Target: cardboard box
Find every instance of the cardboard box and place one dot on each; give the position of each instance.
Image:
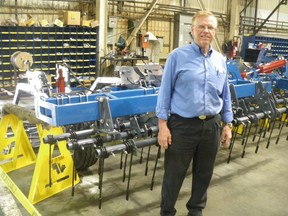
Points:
(22, 22)
(44, 23)
(58, 23)
(85, 23)
(30, 22)
(94, 23)
(72, 18)
(85, 17)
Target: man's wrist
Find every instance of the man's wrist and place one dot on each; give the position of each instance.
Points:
(229, 124)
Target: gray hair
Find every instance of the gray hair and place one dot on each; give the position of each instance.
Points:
(204, 14)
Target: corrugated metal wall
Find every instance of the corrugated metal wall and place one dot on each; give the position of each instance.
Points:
(265, 7)
(215, 5)
(276, 26)
(161, 21)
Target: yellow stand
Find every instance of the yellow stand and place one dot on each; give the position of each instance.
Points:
(18, 193)
(15, 150)
(51, 179)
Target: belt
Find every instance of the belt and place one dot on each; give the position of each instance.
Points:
(201, 117)
(206, 117)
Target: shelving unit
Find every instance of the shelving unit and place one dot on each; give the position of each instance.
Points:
(278, 46)
(77, 46)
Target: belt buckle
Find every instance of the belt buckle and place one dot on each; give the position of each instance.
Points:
(202, 117)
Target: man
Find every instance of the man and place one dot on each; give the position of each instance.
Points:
(193, 99)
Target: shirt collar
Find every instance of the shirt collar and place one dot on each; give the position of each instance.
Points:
(197, 48)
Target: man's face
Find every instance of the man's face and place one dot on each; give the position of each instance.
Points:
(203, 31)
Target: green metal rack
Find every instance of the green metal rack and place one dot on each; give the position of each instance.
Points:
(77, 46)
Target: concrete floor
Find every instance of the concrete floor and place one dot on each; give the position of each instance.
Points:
(256, 185)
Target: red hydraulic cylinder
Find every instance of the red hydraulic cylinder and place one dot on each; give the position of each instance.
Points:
(269, 67)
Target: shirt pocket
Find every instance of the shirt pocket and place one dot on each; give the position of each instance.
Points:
(221, 77)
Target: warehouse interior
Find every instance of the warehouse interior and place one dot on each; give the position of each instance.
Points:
(79, 80)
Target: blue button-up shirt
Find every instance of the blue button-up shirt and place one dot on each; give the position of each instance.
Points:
(194, 84)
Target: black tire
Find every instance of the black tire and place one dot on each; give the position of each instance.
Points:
(84, 158)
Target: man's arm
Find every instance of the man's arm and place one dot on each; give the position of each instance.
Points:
(164, 135)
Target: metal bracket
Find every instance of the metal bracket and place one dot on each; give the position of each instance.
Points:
(106, 122)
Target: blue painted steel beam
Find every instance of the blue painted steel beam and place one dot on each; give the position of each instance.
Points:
(77, 109)
(282, 84)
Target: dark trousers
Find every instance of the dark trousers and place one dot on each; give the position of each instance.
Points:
(192, 139)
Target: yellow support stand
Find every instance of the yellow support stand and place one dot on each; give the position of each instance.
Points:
(18, 193)
(55, 174)
(15, 150)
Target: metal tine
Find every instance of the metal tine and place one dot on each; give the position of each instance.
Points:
(255, 132)
(246, 140)
(74, 174)
(141, 156)
(147, 160)
(121, 160)
(259, 138)
(234, 134)
(129, 176)
(266, 128)
(281, 128)
(50, 166)
(245, 134)
(125, 164)
(155, 167)
(101, 174)
(271, 131)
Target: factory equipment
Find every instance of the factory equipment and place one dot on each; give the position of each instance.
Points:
(116, 115)
(268, 102)
(120, 112)
(32, 82)
(119, 116)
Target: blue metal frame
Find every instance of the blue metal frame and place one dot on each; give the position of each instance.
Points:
(246, 88)
(67, 110)
(82, 108)
(282, 84)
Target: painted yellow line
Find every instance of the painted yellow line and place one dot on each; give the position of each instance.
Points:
(18, 193)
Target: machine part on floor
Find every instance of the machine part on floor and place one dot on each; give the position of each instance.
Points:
(34, 82)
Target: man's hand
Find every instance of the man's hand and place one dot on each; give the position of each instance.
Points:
(226, 136)
(164, 135)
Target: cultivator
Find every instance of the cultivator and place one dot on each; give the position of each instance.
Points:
(258, 113)
(120, 117)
